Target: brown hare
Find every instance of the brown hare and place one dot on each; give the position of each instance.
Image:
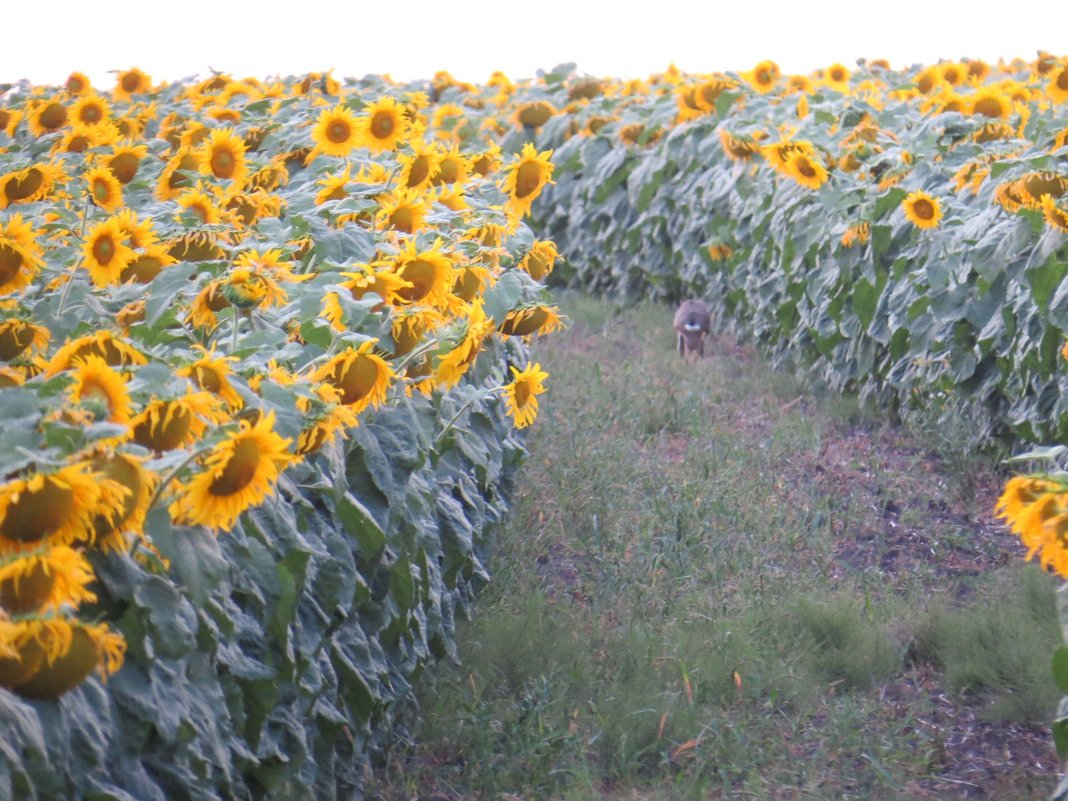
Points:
(691, 323)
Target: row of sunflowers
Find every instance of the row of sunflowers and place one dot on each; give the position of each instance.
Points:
(205, 287)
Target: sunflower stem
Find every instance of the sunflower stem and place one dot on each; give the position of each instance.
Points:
(452, 422)
(74, 270)
(233, 336)
(171, 475)
(414, 353)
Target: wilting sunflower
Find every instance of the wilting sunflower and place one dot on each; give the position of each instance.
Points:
(922, 210)
(21, 339)
(806, 170)
(856, 234)
(719, 251)
(145, 266)
(140, 483)
(487, 161)
(202, 245)
(104, 188)
(237, 474)
(131, 82)
(325, 419)
(360, 376)
(9, 120)
(374, 278)
(20, 254)
(200, 204)
(539, 260)
(211, 373)
(428, 274)
(383, 126)
(102, 390)
(404, 210)
(521, 396)
(469, 338)
(105, 252)
(223, 155)
(471, 281)
(1031, 187)
(526, 177)
(88, 112)
(177, 174)
(58, 504)
(166, 424)
(1035, 509)
(30, 184)
(44, 579)
(1055, 216)
(738, 148)
(104, 344)
(533, 114)
(535, 319)
(63, 653)
(336, 132)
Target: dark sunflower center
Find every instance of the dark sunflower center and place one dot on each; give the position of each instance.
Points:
(239, 471)
(418, 173)
(10, 263)
(402, 219)
(338, 132)
(101, 191)
(53, 116)
(91, 115)
(358, 380)
(131, 81)
(223, 163)
(37, 514)
(207, 378)
(805, 168)
(522, 393)
(448, 172)
(1062, 81)
(24, 187)
(382, 125)
(420, 273)
(988, 107)
(923, 209)
(104, 249)
(142, 269)
(528, 179)
(124, 167)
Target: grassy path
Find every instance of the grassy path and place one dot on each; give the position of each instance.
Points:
(715, 585)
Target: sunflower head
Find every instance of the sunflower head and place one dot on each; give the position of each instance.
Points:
(922, 210)
(383, 126)
(336, 132)
(526, 177)
(521, 395)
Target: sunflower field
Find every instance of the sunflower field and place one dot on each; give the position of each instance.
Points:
(262, 388)
(264, 366)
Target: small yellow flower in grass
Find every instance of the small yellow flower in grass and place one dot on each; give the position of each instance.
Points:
(521, 396)
(526, 177)
(922, 210)
(238, 473)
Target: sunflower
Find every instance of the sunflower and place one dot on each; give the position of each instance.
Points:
(856, 234)
(428, 274)
(238, 473)
(526, 177)
(20, 254)
(487, 161)
(763, 76)
(202, 245)
(166, 424)
(44, 579)
(687, 105)
(47, 117)
(990, 103)
(104, 188)
(130, 314)
(100, 389)
(451, 197)
(244, 208)
(452, 168)
(61, 654)
(176, 174)
(533, 114)
(30, 184)
(806, 170)
(361, 377)
(383, 126)
(131, 82)
(20, 338)
(60, 505)
(325, 419)
(144, 267)
(336, 132)
(140, 234)
(334, 187)
(738, 148)
(223, 156)
(1031, 187)
(382, 282)
(78, 83)
(836, 77)
(403, 210)
(953, 73)
(471, 281)
(928, 79)
(536, 319)
(211, 373)
(105, 252)
(9, 120)
(521, 396)
(125, 160)
(140, 483)
(922, 210)
(200, 204)
(472, 334)
(88, 112)
(1057, 88)
(269, 178)
(207, 303)
(1055, 216)
(104, 344)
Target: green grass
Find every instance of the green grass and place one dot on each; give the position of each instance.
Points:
(710, 587)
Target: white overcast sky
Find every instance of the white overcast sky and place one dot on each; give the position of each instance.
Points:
(45, 39)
